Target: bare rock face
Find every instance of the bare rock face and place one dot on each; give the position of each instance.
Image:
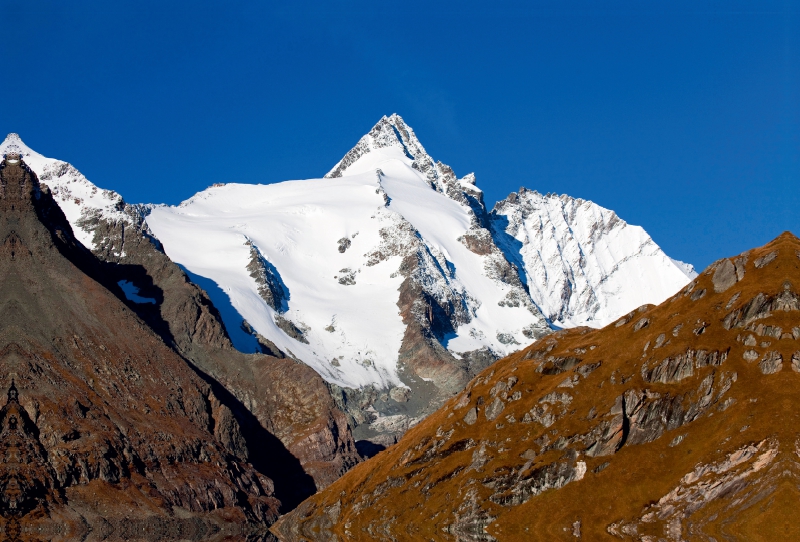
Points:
(270, 287)
(103, 423)
(724, 277)
(678, 422)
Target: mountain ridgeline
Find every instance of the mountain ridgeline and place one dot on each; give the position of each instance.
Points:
(195, 371)
(675, 422)
(389, 277)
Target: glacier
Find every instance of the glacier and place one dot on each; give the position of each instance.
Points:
(336, 271)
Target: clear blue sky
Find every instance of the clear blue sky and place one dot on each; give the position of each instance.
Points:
(684, 119)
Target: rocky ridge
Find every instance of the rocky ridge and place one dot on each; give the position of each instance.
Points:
(99, 426)
(684, 412)
(582, 264)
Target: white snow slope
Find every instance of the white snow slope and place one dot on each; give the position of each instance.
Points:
(583, 264)
(336, 245)
(345, 302)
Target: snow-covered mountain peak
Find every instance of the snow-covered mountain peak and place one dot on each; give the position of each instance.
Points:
(11, 139)
(390, 271)
(390, 138)
(355, 260)
(13, 144)
(82, 202)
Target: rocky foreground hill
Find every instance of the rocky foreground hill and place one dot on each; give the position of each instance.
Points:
(676, 422)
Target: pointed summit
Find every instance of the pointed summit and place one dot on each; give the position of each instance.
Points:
(79, 199)
(392, 139)
(389, 134)
(13, 145)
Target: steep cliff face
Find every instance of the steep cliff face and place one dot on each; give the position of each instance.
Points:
(676, 422)
(103, 421)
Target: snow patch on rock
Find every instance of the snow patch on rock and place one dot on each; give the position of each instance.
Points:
(81, 201)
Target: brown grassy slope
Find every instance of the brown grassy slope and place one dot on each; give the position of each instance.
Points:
(678, 422)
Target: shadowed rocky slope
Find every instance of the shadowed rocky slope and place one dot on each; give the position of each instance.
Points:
(677, 422)
(284, 407)
(294, 432)
(103, 421)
